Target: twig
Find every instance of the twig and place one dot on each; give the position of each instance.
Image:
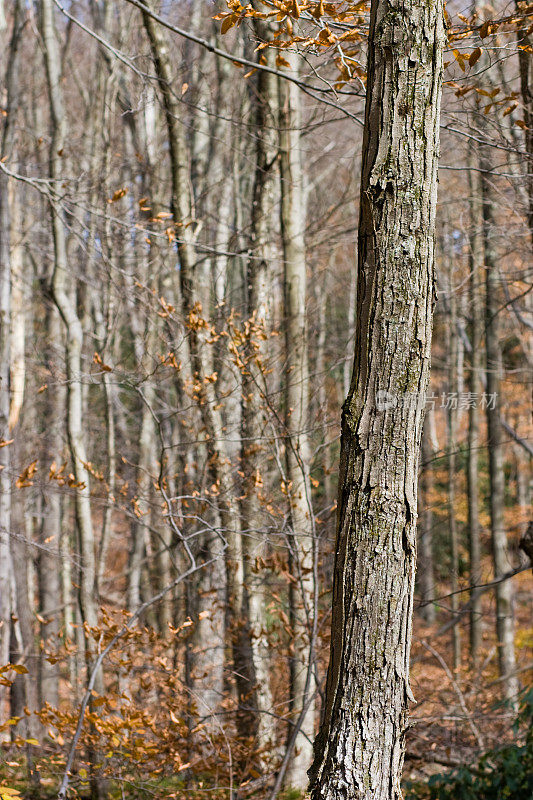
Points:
(458, 692)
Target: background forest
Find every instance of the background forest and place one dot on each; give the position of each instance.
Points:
(179, 200)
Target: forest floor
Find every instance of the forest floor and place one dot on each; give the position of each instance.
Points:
(457, 717)
(460, 715)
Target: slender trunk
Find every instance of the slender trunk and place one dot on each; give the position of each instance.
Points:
(254, 393)
(500, 549)
(104, 312)
(206, 607)
(302, 545)
(425, 571)
(476, 262)
(359, 751)
(24, 650)
(525, 63)
(107, 524)
(7, 145)
(67, 593)
(64, 297)
(74, 333)
(452, 408)
(142, 505)
(49, 563)
(5, 460)
(18, 313)
(322, 374)
(352, 310)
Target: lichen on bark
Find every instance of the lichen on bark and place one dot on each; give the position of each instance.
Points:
(359, 750)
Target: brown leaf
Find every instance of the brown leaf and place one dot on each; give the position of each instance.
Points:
(474, 57)
(118, 195)
(228, 23)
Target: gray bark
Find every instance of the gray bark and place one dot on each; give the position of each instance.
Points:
(500, 550)
(302, 544)
(259, 270)
(49, 564)
(476, 263)
(525, 64)
(74, 333)
(5, 475)
(425, 570)
(452, 424)
(359, 751)
(7, 145)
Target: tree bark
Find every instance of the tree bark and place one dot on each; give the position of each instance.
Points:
(302, 545)
(7, 145)
(74, 333)
(476, 261)
(525, 64)
(452, 420)
(426, 572)
(254, 393)
(5, 460)
(359, 751)
(50, 564)
(500, 550)
(19, 302)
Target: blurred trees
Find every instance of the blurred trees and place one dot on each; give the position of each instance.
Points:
(177, 316)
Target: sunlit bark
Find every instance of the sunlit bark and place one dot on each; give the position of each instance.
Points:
(359, 750)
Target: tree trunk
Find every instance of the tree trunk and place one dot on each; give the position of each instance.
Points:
(50, 562)
(476, 262)
(7, 144)
(19, 303)
(525, 63)
(74, 334)
(359, 751)
(451, 419)
(500, 550)
(65, 299)
(254, 393)
(426, 572)
(5, 460)
(140, 527)
(302, 545)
